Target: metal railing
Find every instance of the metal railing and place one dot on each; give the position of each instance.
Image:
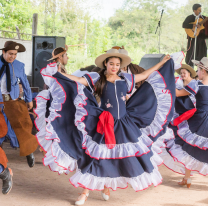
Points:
(15, 35)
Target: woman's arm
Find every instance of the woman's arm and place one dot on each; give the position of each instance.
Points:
(146, 73)
(81, 80)
(181, 93)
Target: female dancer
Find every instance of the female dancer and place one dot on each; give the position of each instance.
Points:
(189, 148)
(105, 144)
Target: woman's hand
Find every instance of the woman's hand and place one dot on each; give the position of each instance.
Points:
(142, 76)
(166, 58)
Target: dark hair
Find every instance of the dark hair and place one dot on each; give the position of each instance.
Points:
(88, 68)
(99, 85)
(96, 69)
(196, 6)
(58, 51)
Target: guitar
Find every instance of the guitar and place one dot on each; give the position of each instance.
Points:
(190, 32)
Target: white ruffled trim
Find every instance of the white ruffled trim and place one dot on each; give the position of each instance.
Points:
(191, 138)
(192, 87)
(41, 101)
(160, 143)
(138, 183)
(169, 162)
(101, 151)
(48, 139)
(183, 158)
(178, 59)
(130, 81)
(164, 103)
(179, 83)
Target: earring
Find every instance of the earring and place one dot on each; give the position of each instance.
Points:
(105, 72)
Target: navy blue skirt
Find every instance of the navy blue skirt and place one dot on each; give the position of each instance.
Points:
(68, 135)
(189, 149)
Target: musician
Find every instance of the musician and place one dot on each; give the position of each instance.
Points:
(201, 48)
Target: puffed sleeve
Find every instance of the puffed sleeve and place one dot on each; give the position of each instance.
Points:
(130, 81)
(25, 85)
(92, 78)
(192, 87)
(179, 83)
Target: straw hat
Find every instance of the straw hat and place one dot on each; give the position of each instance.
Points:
(59, 54)
(187, 67)
(202, 64)
(126, 60)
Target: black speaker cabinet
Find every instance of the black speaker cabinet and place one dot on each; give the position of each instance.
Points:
(150, 60)
(42, 51)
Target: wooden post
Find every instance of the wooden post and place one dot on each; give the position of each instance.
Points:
(54, 16)
(85, 39)
(45, 19)
(35, 24)
(18, 33)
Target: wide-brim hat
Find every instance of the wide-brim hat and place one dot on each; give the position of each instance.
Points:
(202, 64)
(11, 45)
(59, 54)
(126, 60)
(187, 67)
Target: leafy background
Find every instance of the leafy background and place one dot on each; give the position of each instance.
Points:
(133, 25)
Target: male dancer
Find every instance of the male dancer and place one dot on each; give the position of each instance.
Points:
(5, 173)
(16, 111)
(201, 48)
(59, 55)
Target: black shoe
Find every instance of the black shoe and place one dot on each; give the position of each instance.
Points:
(30, 160)
(6, 177)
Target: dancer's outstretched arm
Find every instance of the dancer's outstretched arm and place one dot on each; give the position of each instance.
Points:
(142, 76)
(81, 80)
(181, 93)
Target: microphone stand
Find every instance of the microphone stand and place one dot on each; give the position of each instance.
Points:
(195, 31)
(159, 28)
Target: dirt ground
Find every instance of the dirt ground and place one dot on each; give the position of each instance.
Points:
(38, 186)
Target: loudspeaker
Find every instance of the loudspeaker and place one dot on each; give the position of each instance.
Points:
(42, 51)
(150, 60)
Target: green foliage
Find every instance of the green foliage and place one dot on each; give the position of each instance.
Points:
(99, 38)
(133, 26)
(16, 13)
